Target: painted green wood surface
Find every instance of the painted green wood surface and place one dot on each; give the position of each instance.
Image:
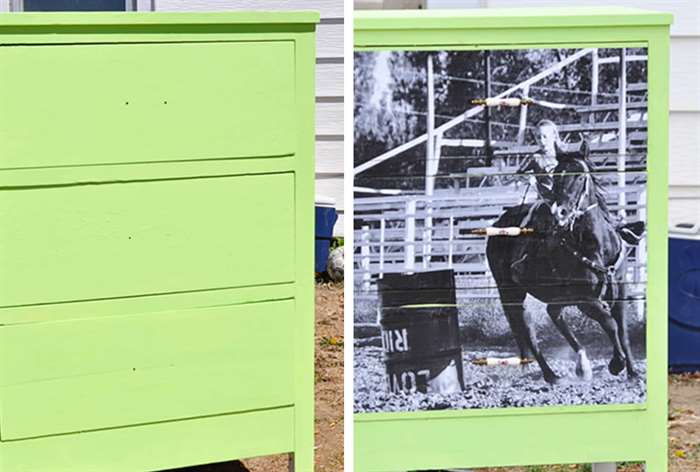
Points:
(184, 88)
(304, 198)
(548, 435)
(506, 18)
(145, 368)
(93, 241)
(156, 446)
(164, 21)
(156, 298)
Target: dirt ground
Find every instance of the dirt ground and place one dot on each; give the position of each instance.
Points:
(329, 394)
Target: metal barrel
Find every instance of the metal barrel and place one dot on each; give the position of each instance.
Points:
(420, 332)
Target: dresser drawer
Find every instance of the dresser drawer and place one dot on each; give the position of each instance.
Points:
(128, 103)
(116, 371)
(111, 240)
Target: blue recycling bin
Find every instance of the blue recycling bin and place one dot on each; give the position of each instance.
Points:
(326, 216)
(684, 298)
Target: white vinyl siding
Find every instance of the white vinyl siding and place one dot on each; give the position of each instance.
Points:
(684, 125)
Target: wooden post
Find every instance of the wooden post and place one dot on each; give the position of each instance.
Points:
(430, 165)
(642, 248)
(595, 76)
(450, 250)
(410, 248)
(487, 113)
(430, 126)
(641, 252)
(522, 125)
(364, 259)
(382, 229)
(622, 133)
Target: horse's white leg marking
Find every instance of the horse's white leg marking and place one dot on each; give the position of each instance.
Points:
(447, 381)
(583, 366)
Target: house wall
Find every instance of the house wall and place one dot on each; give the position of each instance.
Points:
(684, 132)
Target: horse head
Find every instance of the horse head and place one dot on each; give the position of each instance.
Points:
(574, 189)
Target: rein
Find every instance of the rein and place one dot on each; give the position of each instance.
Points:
(595, 267)
(606, 271)
(580, 210)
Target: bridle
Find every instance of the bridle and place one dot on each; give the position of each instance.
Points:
(581, 208)
(607, 272)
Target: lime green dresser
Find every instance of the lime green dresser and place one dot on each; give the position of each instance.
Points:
(156, 239)
(477, 87)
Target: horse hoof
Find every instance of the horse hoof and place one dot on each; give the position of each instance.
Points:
(616, 365)
(552, 378)
(584, 371)
(632, 374)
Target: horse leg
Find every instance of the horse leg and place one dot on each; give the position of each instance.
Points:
(598, 311)
(583, 365)
(524, 334)
(618, 313)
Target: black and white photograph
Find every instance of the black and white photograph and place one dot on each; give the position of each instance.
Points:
(499, 228)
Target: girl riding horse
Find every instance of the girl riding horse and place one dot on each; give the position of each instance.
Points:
(578, 261)
(541, 165)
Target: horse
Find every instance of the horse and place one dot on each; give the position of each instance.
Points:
(574, 258)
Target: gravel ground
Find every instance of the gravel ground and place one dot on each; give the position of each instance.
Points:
(684, 423)
(494, 387)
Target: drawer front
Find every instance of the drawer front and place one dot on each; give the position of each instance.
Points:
(127, 103)
(125, 370)
(139, 238)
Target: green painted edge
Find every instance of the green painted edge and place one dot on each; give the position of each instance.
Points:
(508, 18)
(158, 18)
(304, 334)
(506, 47)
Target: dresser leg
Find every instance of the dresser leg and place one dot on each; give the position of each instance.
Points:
(604, 467)
(301, 462)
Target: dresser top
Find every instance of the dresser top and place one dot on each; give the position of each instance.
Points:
(158, 18)
(485, 18)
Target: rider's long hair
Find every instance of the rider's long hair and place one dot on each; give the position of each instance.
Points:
(558, 143)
